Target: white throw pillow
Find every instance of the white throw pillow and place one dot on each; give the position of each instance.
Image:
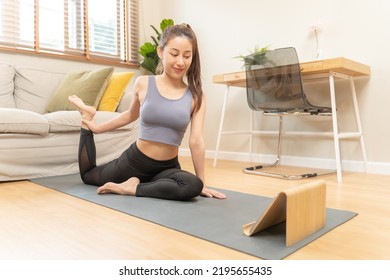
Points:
(34, 88)
(7, 74)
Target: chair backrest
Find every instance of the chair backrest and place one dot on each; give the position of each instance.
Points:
(273, 81)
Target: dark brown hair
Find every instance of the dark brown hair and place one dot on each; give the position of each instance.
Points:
(194, 72)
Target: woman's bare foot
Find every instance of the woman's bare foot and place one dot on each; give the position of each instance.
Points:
(87, 112)
(126, 188)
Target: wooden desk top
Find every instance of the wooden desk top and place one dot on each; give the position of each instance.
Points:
(340, 65)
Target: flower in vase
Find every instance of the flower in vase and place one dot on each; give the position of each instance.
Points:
(316, 28)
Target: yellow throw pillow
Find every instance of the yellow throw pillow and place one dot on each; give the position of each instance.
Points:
(114, 91)
(88, 85)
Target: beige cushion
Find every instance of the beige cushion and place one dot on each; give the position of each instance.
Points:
(114, 91)
(34, 87)
(88, 85)
(22, 121)
(7, 74)
(64, 121)
(67, 121)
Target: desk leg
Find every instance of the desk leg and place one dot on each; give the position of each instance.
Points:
(358, 123)
(335, 128)
(221, 125)
(251, 130)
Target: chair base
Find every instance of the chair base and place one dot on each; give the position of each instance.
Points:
(254, 170)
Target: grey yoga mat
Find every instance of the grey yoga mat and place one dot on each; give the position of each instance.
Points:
(218, 221)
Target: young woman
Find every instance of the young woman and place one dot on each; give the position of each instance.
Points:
(166, 104)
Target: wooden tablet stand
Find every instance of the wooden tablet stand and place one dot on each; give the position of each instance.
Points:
(302, 207)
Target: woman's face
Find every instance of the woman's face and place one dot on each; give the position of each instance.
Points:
(176, 56)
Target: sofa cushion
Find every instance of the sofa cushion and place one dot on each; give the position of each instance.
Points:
(34, 87)
(88, 85)
(125, 101)
(22, 121)
(7, 74)
(114, 91)
(67, 121)
(63, 121)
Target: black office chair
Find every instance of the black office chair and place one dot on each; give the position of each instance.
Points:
(274, 86)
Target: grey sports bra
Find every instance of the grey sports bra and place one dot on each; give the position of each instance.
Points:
(164, 120)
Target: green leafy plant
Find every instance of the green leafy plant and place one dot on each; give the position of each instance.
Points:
(149, 49)
(255, 57)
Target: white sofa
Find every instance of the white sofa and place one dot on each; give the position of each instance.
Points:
(35, 143)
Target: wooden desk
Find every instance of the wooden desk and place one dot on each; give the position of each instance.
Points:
(339, 65)
(327, 68)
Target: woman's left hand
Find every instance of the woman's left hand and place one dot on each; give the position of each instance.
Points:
(212, 193)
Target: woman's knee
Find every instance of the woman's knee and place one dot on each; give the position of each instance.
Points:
(91, 177)
(190, 187)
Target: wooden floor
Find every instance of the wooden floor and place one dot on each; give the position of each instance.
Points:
(39, 223)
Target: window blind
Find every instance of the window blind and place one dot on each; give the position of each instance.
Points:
(91, 29)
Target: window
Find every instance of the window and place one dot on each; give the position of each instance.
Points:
(94, 30)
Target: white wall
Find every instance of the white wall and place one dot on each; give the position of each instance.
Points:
(355, 29)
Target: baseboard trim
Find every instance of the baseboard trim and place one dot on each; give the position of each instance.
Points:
(347, 165)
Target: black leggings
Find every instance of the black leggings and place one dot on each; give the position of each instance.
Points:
(158, 179)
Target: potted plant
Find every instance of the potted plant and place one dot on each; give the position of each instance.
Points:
(149, 49)
(256, 57)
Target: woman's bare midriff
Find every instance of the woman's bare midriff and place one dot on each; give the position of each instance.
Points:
(157, 151)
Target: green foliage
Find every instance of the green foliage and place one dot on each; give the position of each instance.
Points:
(149, 49)
(256, 57)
